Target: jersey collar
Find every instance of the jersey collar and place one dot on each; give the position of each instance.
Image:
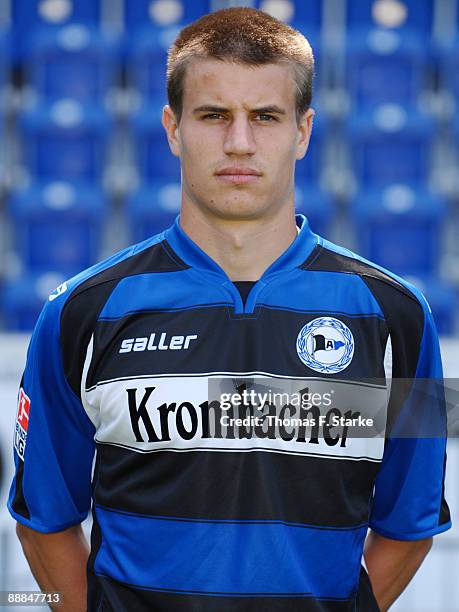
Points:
(295, 255)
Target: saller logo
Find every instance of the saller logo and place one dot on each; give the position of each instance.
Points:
(157, 342)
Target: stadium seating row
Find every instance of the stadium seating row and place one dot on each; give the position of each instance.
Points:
(69, 140)
(73, 65)
(58, 224)
(59, 227)
(86, 63)
(417, 15)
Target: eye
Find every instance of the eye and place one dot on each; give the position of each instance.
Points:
(213, 116)
(265, 117)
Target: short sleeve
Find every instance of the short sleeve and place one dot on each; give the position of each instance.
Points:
(53, 437)
(409, 501)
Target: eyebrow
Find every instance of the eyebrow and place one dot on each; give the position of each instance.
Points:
(221, 109)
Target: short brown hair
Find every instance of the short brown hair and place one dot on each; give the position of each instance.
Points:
(242, 35)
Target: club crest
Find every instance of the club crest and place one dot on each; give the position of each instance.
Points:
(325, 345)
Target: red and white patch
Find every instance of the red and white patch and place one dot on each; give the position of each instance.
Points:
(22, 423)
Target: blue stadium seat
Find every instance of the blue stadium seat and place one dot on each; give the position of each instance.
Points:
(442, 301)
(317, 206)
(153, 208)
(310, 167)
(57, 226)
(390, 144)
(400, 227)
(73, 61)
(305, 16)
(385, 66)
(28, 16)
(415, 15)
(153, 157)
(144, 14)
(146, 60)
(449, 67)
(24, 297)
(5, 56)
(65, 140)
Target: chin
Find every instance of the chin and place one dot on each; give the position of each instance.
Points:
(238, 212)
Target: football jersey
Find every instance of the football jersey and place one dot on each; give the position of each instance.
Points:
(200, 508)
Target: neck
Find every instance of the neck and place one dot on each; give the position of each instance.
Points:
(243, 248)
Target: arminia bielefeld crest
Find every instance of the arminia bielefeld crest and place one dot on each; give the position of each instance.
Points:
(325, 345)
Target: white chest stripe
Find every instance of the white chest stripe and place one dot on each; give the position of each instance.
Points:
(92, 412)
(388, 362)
(150, 414)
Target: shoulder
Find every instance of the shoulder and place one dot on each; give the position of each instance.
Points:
(130, 260)
(406, 312)
(397, 297)
(72, 310)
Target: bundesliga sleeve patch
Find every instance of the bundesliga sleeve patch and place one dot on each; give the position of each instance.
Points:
(22, 423)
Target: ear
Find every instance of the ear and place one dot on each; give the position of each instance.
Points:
(170, 124)
(304, 132)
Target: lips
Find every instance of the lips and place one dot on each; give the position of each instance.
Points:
(238, 174)
(238, 171)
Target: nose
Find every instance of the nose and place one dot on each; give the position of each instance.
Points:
(239, 137)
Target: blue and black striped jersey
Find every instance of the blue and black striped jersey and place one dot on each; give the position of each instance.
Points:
(193, 513)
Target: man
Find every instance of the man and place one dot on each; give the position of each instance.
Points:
(197, 513)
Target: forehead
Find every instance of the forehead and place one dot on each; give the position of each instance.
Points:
(232, 84)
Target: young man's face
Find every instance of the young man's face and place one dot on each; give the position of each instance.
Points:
(238, 138)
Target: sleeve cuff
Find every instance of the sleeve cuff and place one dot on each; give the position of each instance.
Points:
(416, 535)
(36, 526)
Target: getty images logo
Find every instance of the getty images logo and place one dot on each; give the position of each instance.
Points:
(157, 342)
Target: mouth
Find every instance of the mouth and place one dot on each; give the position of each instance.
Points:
(236, 175)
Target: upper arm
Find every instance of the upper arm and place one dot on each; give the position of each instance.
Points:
(398, 555)
(409, 501)
(27, 534)
(393, 545)
(53, 437)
